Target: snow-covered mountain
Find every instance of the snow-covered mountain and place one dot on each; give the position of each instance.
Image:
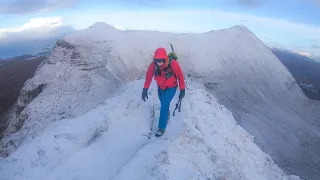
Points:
(78, 114)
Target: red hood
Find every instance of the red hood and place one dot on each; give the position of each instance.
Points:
(161, 53)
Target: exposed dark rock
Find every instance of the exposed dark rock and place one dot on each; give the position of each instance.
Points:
(65, 44)
(75, 55)
(27, 96)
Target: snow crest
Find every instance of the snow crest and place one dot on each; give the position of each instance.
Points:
(86, 67)
(111, 141)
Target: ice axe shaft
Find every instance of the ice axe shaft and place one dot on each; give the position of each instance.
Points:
(172, 47)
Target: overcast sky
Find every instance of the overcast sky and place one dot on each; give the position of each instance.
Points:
(293, 24)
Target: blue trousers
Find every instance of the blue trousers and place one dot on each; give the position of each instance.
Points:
(165, 97)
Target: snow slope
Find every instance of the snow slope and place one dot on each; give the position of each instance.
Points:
(111, 141)
(87, 67)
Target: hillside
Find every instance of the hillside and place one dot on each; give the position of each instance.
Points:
(13, 74)
(304, 69)
(87, 67)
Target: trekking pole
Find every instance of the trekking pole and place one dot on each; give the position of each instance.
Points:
(178, 105)
(179, 109)
(186, 86)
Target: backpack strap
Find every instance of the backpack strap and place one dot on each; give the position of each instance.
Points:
(170, 67)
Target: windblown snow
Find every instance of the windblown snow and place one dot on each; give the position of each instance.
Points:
(111, 141)
(81, 116)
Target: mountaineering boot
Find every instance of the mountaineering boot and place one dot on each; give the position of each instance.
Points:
(160, 132)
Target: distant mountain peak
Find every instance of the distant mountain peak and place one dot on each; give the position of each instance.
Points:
(233, 28)
(239, 27)
(102, 25)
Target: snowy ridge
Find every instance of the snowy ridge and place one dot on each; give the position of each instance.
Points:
(87, 67)
(202, 141)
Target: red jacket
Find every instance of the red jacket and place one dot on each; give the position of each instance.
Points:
(162, 82)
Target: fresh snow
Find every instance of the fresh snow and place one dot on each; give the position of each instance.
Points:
(111, 141)
(88, 67)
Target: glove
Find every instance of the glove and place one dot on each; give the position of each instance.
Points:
(182, 93)
(144, 94)
(172, 55)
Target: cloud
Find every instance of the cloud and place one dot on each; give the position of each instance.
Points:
(254, 3)
(248, 2)
(304, 53)
(35, 23)
(150, 3)
(37, 28)
(35, 36)
(119, 27)
(315, 46)
(316, 1)
(312, 40)
(31, 6)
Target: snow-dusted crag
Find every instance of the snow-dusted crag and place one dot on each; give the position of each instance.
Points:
(86, 68)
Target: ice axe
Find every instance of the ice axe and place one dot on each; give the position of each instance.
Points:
(171, 47)
(178, 105)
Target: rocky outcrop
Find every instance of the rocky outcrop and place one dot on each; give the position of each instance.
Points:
(28, 94)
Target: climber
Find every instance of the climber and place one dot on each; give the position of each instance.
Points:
(166, 72)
